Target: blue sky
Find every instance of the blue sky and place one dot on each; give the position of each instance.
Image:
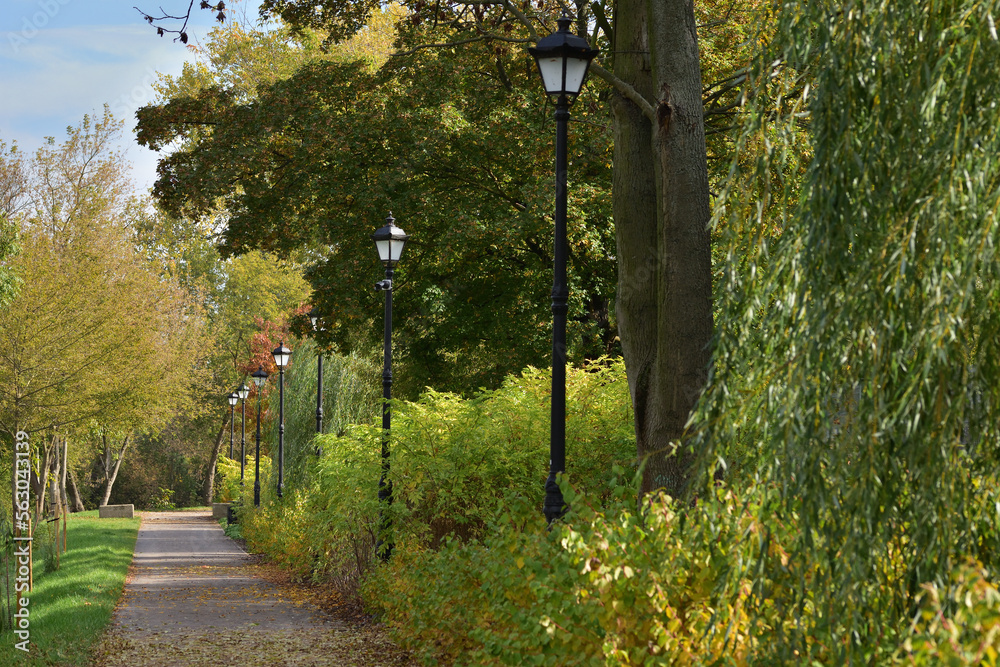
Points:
(61, 59)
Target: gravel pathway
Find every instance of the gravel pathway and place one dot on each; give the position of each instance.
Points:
(193, 598)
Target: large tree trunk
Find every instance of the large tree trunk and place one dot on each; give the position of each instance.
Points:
(208, 490)
(661, 209)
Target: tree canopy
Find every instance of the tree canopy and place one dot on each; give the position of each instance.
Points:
(317, 160)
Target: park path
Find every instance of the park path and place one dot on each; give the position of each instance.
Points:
(194, 597)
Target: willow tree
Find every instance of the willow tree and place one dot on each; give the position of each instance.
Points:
(857, 360)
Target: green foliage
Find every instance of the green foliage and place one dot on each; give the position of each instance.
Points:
(455, 459)
(155, 466)
(229, 490)
(462, 159)
(958, 624)
(606, 586)
(163, 500)
(856, 359)
(352, 390)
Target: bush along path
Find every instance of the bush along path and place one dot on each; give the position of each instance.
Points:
(194, 597)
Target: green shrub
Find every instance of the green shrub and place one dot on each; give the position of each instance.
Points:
(229, 489)
(604, 587)
(162, 500)
(453, 463)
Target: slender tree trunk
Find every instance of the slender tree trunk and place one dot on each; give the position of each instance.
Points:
(40, 477)
(661, 209)
(65, 467)
(78, 505)
(55, 498)
(113, 474)
(208, 489)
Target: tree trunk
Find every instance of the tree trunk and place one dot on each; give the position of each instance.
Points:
(112, 474)
(661, 209)
(208, 490)
(77, 502)
(65, 468)
(39, 478)
(55, 489)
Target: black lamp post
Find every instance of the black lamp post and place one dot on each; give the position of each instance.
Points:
(233, 399)
(243, 392)
(563, 60)
(314, 318)
(389, 241)
(282, 355)
(259, 378)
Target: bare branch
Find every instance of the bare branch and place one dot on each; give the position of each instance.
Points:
(186, 17)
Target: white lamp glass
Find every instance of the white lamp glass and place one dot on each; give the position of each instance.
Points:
(576, 71)
(384, 253)
(551, 70)
(563, 60)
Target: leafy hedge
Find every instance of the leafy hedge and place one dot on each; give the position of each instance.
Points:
(607, 586)
(454, 463)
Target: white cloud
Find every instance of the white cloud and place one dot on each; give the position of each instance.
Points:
(63, 73)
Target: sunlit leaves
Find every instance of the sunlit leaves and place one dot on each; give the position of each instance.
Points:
(872, 316)
(460, 155)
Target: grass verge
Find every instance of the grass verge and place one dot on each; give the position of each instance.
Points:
(70, 607)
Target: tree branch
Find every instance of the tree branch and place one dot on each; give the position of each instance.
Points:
(625, 89)
(523, 18)
(482, 38)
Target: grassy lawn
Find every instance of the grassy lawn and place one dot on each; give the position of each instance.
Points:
(71, 606)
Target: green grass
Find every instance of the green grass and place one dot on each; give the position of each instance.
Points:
(70, 607)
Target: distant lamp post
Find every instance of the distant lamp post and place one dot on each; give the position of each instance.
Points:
(282, 356)
(389, 241)
(259, 378)
(243, 392)
(314, 319)
(563, 60)
(233, 399)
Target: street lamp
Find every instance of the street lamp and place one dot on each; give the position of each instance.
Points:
(314, 318)
(563, 60)
(259, 378)
(389, 241)
(282, 355)
(233, 398)
(243, 392)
